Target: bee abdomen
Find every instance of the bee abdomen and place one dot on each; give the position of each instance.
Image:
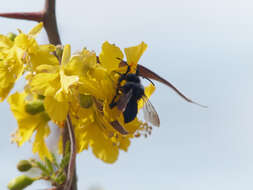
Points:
(131, 110)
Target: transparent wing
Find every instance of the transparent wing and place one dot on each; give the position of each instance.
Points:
(123, 100)
(150, 114)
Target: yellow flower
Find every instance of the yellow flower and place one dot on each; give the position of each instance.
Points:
(94, 124)
(15, 53)
(82, 85)
(30, 118)
(34, 53)
(53, 83)
(11, 67)
(96, 132)
(27, 42)
(43, 56)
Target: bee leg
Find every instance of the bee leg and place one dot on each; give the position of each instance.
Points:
(113, 102)
(119, 88)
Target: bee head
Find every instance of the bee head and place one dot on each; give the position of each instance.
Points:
(133, 78)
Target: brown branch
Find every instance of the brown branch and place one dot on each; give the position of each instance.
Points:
(71, 165)
(34, 16)
(50, 23)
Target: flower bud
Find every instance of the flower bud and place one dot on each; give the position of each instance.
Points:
(20, 182)
(45, 116)
(11, 36)
(34, 107)
(24, 165)
(41, 97)
(85, 100)
(59, 51)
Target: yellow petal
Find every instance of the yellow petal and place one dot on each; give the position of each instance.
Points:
(45, 83)
(44, 56)
(60, 145)
(4, 91)
(26, 43)
(148, 92)
(68, 81)
(56, 110)
(39, 145)
(27, 123)
(26, 126)
(5, 42)
(124, 143)
(134, 53)
(66, 54)
(102, 147)
(11, 68)
(110, 56)
(36, 30)
(47, 68)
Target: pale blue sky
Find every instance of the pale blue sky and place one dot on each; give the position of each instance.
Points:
(204, 47)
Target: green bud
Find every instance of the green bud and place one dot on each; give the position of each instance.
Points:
(20, 182)
(11, 36)
(45, 116)
(85, 100)
(41, 97)
(59, 51)
(24, 165)
(34, 107)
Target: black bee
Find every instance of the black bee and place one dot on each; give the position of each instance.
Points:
(129, 94)
(132, 91)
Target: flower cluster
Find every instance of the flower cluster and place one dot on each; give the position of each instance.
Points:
(81, 85)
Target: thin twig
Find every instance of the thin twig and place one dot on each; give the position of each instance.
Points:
(71, 165)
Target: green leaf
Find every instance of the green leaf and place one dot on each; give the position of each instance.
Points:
(43, 168)
(54, 160)
(65, 161)
(49, 166)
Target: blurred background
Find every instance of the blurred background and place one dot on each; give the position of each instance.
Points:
(205, 49)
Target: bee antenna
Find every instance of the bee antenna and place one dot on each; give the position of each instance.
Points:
(149, 80)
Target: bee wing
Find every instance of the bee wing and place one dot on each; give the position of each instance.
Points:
(145, 72)
(150, 114)
(123, 100)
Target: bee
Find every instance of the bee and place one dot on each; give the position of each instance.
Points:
(128, 95)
